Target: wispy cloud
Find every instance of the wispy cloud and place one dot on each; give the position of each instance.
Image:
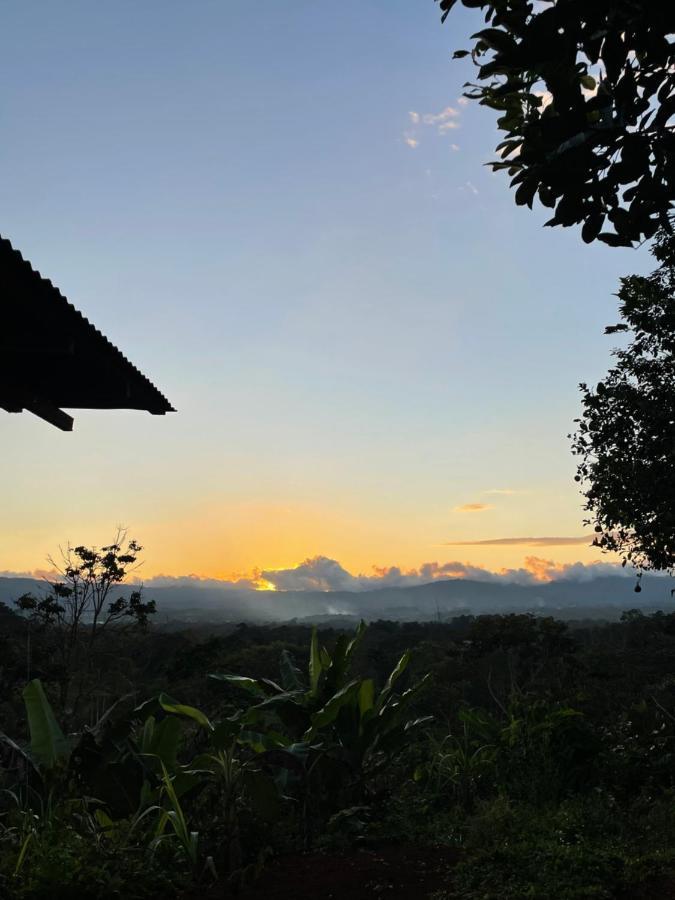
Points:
(444, 121)
(243, 582)
(436, 118)
(524, 542)
(473, 507)
(502, 492)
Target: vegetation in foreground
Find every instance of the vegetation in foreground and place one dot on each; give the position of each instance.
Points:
(511, 756)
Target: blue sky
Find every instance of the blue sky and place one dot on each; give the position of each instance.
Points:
(360, 336)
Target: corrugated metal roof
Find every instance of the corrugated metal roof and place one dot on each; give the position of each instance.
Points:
(51, 356)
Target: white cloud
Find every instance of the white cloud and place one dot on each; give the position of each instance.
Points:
(323, 574)
(320, 573)
(463, 101)
(444, 121)
(435, 118)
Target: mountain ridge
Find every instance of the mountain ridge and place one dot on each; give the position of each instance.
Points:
(437, 599)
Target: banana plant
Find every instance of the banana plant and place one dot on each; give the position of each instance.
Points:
(48, 744)
(224, 766)
(329, 711)
(48, 751)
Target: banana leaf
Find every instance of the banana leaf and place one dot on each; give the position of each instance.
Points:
(48, 745)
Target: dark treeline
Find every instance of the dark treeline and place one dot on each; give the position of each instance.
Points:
(538, 753)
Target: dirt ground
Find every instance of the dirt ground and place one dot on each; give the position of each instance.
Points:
(398, 873)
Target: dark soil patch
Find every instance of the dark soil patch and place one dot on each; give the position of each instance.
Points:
(395, 872)
(662, 888)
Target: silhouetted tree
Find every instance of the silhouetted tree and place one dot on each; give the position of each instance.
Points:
(79, 608)
(626, 435)
(586, 97)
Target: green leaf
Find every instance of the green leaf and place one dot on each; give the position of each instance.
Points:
(355, 641)
(253, 686)
(366, 696)
(496, 39)
(260, 742)
(329, 712)
(290, 674)
(187, 780)
(180, 709)
(225, 733)
(288, 707)
(315, 666)
(615, 240)
(591, 227)
(103, 820)
(336, 672)
(48, 743)
(526, 191)
(396, 673)
(166, 740)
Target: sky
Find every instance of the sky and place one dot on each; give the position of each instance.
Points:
(281, 214)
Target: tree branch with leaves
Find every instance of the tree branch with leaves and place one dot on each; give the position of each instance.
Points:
(84, 602)
(585, 93)
(625, 439)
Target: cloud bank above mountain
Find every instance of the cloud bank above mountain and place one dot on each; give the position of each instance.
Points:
(321, 573)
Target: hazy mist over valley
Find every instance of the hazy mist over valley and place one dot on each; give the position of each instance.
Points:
(581, 594)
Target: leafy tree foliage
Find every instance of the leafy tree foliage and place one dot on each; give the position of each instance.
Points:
(626, 436)
(80, 606)
(586, 97)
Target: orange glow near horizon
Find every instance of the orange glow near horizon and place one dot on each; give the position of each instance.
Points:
(499, 562)
(239, 541)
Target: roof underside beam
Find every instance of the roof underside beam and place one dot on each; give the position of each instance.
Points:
(43, 410)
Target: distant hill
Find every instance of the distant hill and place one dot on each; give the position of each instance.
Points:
(604, 596)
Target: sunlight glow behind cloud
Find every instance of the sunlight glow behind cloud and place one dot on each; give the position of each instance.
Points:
(320, 573)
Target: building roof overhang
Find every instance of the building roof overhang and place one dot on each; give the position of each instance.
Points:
(51, 356)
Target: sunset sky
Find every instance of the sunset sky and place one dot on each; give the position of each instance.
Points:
(280, 214)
